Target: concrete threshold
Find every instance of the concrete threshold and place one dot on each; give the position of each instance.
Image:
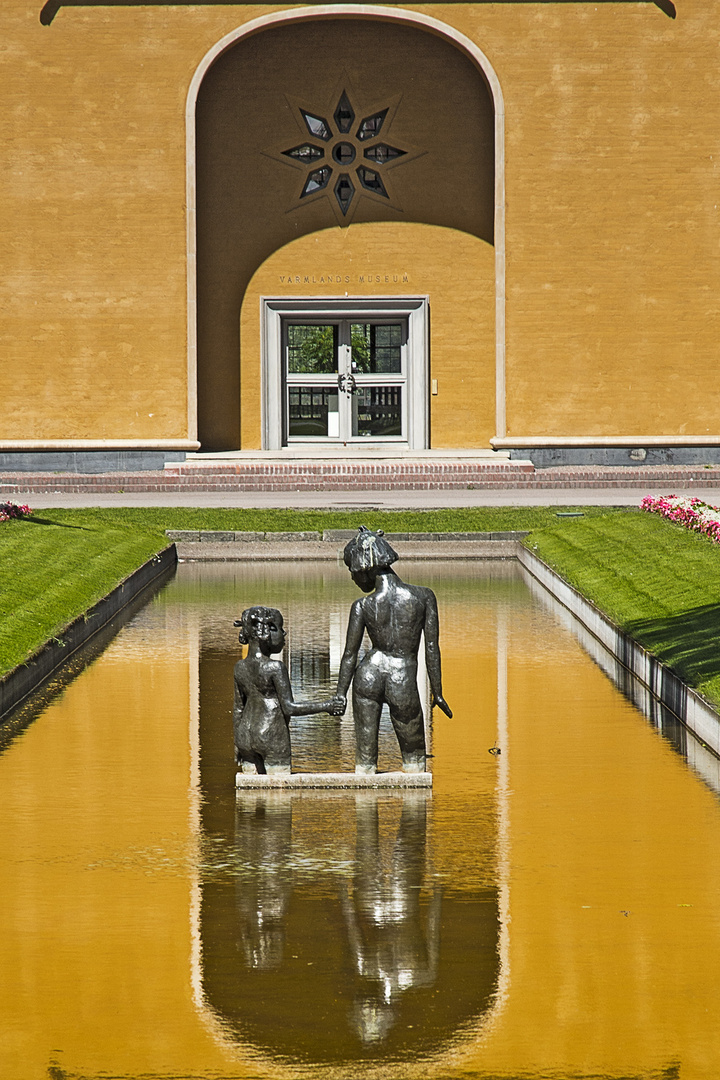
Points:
(304, 781)
(346, 454)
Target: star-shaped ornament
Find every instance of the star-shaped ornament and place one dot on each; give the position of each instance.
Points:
(345, 154)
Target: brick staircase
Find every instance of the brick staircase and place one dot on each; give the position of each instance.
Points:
(218, 474)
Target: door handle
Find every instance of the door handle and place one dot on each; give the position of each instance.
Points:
(347, 384)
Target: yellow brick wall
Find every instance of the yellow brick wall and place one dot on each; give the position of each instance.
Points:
(612, 183)
(93, 195)
(613, 273)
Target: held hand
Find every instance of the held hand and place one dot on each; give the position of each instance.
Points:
(337, 706)
(439, 700)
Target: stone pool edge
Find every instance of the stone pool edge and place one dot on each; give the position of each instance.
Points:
(682, 701)
(201, 546)
(29, 676)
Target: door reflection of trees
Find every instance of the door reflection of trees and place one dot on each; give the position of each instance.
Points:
(263, 839)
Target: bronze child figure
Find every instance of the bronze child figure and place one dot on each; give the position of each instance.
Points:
(395, 616)
(264, 701)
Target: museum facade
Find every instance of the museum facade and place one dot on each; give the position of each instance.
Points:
(345, 228)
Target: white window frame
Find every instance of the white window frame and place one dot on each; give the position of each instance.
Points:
(274, 310)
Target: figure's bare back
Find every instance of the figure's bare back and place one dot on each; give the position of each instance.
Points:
(257, 681)
(395, 617)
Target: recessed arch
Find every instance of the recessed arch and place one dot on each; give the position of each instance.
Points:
(409, 19)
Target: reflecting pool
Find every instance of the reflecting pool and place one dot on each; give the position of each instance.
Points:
(548, 912)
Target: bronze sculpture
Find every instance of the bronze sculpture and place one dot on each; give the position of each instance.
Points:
(264, 701)
(395, 616)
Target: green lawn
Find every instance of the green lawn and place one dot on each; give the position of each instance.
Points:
(482, 519)
(656, 580)
(53, 568)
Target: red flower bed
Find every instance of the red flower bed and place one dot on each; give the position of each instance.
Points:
(8, 511)
(692, 513)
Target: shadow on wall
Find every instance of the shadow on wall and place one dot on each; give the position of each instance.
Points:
(51, 8)
(687, 643)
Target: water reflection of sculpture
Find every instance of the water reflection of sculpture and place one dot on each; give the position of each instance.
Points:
(395, 615)
(395, 946)
(392, 935)
(263, 842)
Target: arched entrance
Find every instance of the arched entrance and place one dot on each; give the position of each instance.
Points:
(320, 127)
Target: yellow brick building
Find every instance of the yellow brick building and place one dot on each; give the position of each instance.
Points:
(284, 228)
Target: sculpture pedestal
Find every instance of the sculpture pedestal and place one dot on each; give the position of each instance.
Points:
(245, 781)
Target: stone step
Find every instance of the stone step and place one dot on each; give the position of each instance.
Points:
(365, 477)
(345, 468)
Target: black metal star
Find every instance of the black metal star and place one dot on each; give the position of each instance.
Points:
(345, 157)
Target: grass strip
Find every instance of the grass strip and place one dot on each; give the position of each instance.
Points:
(53, 571)
(656, 580)
(474, 519)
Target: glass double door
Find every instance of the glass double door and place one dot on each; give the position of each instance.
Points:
(345, 380)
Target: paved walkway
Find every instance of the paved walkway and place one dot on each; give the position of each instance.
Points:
(382, 500)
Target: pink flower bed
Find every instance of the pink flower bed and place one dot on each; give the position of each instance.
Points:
(11, 510)
(693, 513)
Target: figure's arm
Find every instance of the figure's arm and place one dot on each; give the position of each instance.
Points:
(432, 653)
(290, 707)
(240, 698)
(353, 641)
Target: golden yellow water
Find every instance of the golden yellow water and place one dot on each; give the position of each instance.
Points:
(547, 913)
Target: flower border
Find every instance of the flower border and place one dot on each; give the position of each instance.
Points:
(10, 511)
(692, 513)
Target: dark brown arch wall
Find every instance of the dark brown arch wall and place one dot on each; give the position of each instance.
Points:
(249, 204)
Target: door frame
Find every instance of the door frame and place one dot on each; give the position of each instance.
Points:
(416, 309)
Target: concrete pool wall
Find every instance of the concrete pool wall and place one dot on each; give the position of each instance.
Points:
(28, 677)
(689, 706)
